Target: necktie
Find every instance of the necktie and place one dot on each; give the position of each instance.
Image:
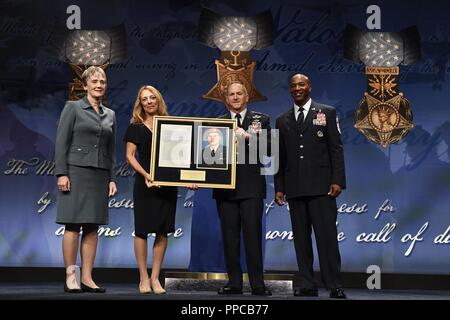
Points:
(238, 118)
(213, 153)
(300, 117)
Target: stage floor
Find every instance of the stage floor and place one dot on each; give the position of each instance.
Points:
(36, 291)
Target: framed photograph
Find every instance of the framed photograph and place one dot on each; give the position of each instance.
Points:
(199, 151)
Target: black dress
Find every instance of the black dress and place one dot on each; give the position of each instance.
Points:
(154, 208)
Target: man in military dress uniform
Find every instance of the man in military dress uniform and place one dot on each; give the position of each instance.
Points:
(311, 175)
(242, 207)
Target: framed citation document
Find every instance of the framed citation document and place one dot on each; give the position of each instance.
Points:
(187, 151)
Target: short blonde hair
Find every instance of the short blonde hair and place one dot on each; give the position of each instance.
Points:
(89, 72)
(138, 111)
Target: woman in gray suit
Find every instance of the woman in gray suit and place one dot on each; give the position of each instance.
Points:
(85, 161)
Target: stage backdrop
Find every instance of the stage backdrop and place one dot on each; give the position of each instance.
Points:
(395, 212)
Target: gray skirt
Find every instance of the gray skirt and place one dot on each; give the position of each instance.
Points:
(87, 200)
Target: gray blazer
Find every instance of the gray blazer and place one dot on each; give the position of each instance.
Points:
(85, 138)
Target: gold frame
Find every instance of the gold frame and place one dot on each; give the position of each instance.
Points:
(158, 119)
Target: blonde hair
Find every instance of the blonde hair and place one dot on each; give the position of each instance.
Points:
(89, 72)
(138, 111)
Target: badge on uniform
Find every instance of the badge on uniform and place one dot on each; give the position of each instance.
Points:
(320, 134)
(255, 126)
(320, 119)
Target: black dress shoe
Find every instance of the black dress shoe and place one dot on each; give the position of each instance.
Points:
(229, 290)
(337, 293)
(305, 292)
(262, 291)
(66, 289)
(85, 288)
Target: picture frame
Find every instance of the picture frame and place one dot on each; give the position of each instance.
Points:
(189, 150)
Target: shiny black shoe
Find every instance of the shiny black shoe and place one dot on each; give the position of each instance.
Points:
(262, 291)
(337, 293)
(229, 290)
(85, 288)
(66, 289)
(305, 292)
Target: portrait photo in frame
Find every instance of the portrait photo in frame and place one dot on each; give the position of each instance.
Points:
(188, 150)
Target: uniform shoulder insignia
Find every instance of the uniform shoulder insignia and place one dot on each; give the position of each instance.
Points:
(259, 115)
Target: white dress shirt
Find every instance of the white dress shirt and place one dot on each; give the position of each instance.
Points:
(306, 107)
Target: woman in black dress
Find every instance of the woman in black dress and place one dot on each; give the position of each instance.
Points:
(154, 206)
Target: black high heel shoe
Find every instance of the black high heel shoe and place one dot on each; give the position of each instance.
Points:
(85, 288)
(66, 289)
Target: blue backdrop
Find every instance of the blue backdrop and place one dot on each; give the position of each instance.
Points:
(395, 212)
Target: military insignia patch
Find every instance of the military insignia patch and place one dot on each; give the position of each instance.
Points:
(320, 119)
(255, 126)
